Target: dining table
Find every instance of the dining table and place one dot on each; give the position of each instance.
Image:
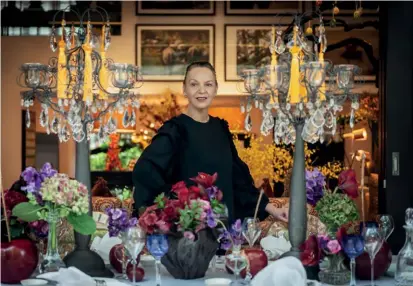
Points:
(218, 271)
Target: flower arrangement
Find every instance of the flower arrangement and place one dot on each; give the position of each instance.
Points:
(335, 209)
(118, 221)
(53, 193)
(192, 210)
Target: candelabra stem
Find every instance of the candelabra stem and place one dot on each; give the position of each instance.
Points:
(82, 257)
(297, 222)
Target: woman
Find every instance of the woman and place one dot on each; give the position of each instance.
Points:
(196, 142)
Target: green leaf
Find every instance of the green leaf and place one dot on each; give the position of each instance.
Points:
(27, 211)
(83, 224)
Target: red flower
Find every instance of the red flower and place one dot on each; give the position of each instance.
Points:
(178, 187)
(13, 198)
(170, 211)
(205, 180)
(341, 232)
(194, 193)
(311, 252)
(182, 192)
(347, 182)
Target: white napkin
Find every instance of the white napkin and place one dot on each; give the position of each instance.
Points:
(102, 246)
(287, 271)
(275, 246)
(74, 277)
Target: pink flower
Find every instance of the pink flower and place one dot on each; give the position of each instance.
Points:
(189, 235)
(333, 246)
(203, 216)
(205, 205)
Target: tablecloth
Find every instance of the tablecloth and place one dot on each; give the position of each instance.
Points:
(168, 280)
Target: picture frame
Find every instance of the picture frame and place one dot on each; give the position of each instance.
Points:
(175, 8)
(261, 8)
(164, 51)
(358, 54)
(239, 39)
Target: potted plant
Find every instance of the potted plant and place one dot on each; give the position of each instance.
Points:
(51, 197)
(335, 208)
(189, 218)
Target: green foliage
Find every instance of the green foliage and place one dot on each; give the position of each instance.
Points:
(27, 211)
(336, 209)
(83, 224)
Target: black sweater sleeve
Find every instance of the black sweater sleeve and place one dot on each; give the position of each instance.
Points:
(151, 171)
(245, 193)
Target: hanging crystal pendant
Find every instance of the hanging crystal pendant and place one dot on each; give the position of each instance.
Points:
(133, 119)
(111, 125)
(126, 119)
(44, 118)
(52, 40)
(108, 37)
(27, 118)
(279, 43)
(79, 135)
(101, 132)
(352, 119)
(89, 130)
(54, 125)
(248, 123)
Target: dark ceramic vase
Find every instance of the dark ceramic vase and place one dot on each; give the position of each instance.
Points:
(382, 263)
(187, 259)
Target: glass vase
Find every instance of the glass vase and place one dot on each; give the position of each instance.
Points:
(52, 261)
(404, 266)
(335, 273)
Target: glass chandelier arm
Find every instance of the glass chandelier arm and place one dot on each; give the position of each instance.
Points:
(45, 99)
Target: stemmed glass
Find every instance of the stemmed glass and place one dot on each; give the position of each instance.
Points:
(386, 223)
(236, 262)
(373, 240)
(122, 256)
(251, 231)
(353, 246)
(134, 243)
(158, 245)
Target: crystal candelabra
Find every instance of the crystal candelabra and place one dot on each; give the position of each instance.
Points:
(76, 89)
(300, 94)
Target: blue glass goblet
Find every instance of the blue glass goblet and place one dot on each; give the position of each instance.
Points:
(158, 245)
(353, 246)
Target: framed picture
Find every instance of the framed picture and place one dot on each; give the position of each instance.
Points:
(347, 8)
(164, 51)
(175, 8)
(358, 47)
(271, 8)
(246, 47)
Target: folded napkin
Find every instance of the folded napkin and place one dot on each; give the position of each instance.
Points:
(74, 277)
(102, 246)
(287, 271)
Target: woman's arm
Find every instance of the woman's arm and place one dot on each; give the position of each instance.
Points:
(151, 171)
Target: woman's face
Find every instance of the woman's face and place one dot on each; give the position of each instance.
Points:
(200, 87)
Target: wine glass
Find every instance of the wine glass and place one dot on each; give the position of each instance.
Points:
(236, 262)
(373, 240)
(386, 223)
(134, 243)
(353, 246)
(158, 245)
(251, 231)
(121, 255)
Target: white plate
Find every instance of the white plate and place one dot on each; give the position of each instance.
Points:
(32, 282)
(217, 282)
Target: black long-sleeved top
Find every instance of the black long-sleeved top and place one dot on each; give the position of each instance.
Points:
(182, 148)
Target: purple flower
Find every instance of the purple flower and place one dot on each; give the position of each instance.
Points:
(314, 184)
(211, 219)
(212, 192)
(232, 237)
(119, 221)
(47, 171)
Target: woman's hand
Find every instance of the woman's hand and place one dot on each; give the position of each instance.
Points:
(277, 213)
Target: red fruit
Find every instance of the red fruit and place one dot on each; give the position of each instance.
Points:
(140, 273)
(115, 256)
(18, 260)
(258, 260)
(382, 262)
